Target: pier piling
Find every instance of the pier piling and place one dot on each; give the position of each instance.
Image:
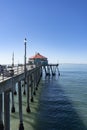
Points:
(6, 111)
(13, 107)
(1, 113)
(21, 126)
(12, 94)
(28, 105)
(32, 98)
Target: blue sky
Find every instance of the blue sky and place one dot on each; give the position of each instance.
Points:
(55, 28)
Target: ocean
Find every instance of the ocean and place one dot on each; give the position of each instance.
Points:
(63, 99)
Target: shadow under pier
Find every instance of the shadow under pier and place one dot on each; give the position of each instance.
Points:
(56, 111)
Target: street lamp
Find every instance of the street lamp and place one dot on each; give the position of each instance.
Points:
(25, 42)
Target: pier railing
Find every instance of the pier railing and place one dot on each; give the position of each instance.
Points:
(13, 71)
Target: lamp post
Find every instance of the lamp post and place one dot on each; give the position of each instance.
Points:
(13, 60)
(25, 42)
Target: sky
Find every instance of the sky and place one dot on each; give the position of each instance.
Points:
(57, 29)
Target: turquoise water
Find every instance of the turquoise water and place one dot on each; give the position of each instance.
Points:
(63, 101)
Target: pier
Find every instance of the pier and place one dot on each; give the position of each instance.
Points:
(26, 80)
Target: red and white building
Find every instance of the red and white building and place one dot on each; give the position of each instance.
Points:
(38, 59)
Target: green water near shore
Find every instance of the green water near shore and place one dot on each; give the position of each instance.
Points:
(29, 119)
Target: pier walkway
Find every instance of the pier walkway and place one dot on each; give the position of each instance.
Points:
(26, 81)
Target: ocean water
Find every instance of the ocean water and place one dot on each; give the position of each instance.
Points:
(63, 100)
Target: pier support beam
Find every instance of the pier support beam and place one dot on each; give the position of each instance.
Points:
(39, 74)
(38, 78)
(15, 92)
(6, 111)
(34, 82)
(32, 99)
(21, 127)
(24, 88)
(28, 105)
(1, 114)
(13, 87)
(24, 92)
(13, 107)
(58, 70)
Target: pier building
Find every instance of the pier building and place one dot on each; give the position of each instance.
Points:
(38, 59)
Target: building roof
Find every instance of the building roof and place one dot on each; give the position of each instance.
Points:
(37, 56)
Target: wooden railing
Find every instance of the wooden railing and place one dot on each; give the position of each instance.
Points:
(13, 71)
